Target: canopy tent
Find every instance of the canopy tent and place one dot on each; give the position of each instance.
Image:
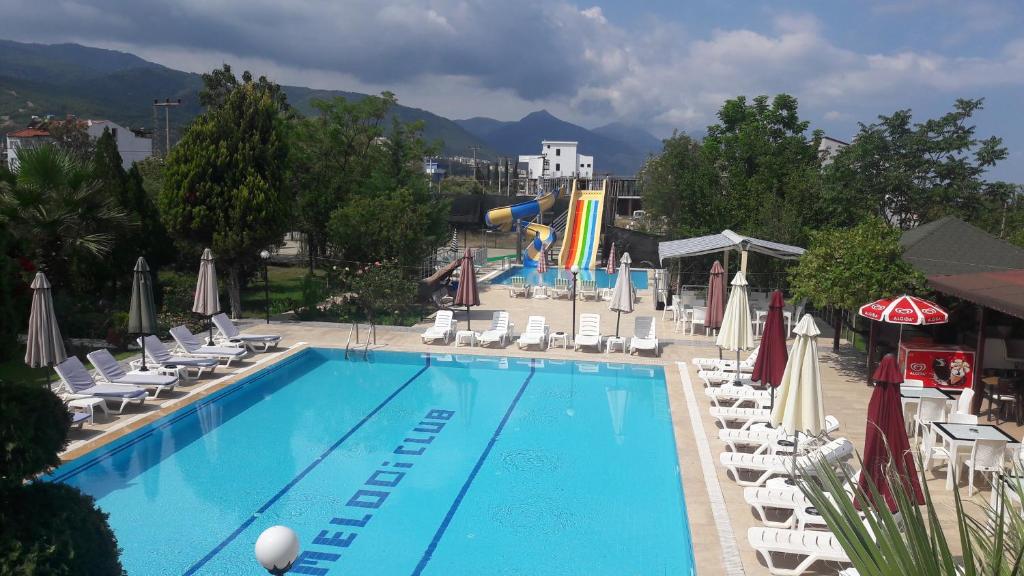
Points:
(726, 241)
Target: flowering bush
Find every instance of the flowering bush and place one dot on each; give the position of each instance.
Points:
(382, 290)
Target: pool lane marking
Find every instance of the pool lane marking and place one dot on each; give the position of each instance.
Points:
(731, 560)
(428, 554)
(248, 522)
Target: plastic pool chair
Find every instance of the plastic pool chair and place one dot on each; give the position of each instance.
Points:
(78, 383)
(590, 332)
(443, 328)
(158, 354)
(928, 410)
(644, 336)
(228, 332)
(561, 289)
(518, 288)
(192, 346)
(730, 396)
(500, 331)
(112, 371)
(764, 439)
(787, 499)
(588, 290)
(78, 419)
(987, 456)
(811, 545)
(744, 416)
(713, 364)
(536, 333)
(834, 453)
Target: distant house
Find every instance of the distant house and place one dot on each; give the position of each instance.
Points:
(26, 138)
(828, 148)
(134, 146)
(558, 159)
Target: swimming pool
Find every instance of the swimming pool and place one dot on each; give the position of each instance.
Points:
(603, 279)
(405, 464)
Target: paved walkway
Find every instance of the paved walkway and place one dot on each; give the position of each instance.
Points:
(719, 517)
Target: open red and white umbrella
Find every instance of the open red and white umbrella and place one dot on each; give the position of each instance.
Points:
(900, 310)
(905, 309)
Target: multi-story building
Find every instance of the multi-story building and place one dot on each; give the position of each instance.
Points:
(133, 146)
(24, 139)
(557, 159)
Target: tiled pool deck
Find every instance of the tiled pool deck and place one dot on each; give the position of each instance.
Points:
(719, 518)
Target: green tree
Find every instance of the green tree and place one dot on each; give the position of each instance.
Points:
(45, 528)
(225, 180)
(846, 268)
(769, 168)
(910, 173)
(10, 319)
(60, 213)
(682, 188)
(70, 135)
(332, 159)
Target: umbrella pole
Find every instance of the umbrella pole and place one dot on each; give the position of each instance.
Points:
(796, 450)
(618, 316)
(210, 340)
(144, 369)
(469, 320)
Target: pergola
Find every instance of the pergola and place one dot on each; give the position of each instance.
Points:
(727, 241)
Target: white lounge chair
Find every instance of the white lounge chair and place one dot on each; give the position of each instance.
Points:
(536, 333)
(443, 328)
(744, 416)
(112, 371)
(189, 345)
(812, 545)
(500, 331)
(712, 364)
(518, 288)
(590, 332)
(644, 336)
(721, 378)
(786, 501)
(833, 453)
(190, 366)
(732, 396)
(763, 439)
(588, 290)
(228, 332)
(79, 383)
(561, 288)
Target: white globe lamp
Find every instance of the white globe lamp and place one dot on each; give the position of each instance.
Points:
(277, 548)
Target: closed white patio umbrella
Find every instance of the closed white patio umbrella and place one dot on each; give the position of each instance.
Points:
(737, 332)
(799, 406)
(44, 346)
(207, 297)
(622, 296)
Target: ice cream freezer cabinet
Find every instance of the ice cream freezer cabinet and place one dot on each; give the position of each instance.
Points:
(938, 365)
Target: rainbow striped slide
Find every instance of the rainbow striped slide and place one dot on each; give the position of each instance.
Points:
(583, 229)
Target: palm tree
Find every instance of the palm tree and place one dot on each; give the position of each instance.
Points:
(59, 211)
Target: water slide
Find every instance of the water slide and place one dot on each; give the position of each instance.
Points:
(583, 228)
(537, 236)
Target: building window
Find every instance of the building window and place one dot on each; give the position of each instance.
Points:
(558, 151)
(113, 132)
(548, 147)
(558, 167)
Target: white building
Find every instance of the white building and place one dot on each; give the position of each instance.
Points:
(132, 147)
(558, 159)
(24, 138)
(829, 147)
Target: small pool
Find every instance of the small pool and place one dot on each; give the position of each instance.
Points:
(405, 464)
(534, 278)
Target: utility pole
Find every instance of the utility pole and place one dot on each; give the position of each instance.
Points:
(474, 149)
(167, 104)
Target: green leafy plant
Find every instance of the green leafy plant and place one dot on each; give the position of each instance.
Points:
(913, 539)
(383, 290)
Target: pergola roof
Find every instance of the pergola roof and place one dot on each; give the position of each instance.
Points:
(727, 240)
(1002, 291)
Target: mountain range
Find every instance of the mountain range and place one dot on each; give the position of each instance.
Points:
(62, 79)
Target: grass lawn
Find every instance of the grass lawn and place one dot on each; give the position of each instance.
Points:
(285, 286)
(15, 370)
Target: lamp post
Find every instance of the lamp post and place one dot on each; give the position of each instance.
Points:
(265, 256)
(276, 549)
(575, 272)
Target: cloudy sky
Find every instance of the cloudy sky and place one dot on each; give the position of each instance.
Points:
(663, 64)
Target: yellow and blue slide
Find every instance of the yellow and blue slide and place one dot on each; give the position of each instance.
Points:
(537, 236)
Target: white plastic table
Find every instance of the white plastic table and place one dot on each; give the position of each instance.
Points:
(465, 337)
(612, 342)
(912, 396)
(89, 405)
(558, 337)
(961, 438)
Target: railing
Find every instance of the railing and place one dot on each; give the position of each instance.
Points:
(371, 338)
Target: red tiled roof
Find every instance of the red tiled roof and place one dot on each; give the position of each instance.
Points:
(28, 133)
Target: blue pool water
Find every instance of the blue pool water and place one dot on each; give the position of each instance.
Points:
(604, 280)
(406, 464)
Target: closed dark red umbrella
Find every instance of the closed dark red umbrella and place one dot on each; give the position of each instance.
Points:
(772, 354)
(716, 297)
(886, 444)
(467, 294)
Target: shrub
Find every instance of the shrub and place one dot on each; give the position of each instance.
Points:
(33, 429)
(54, 530)
(383, 289)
